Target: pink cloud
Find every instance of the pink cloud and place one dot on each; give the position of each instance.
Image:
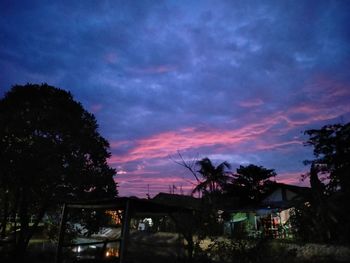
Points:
(257, 134)
(293, 178)
(136, 172)
(262, 133)
(166, 143)
(266, 146)
(140, 185)
(301, 115)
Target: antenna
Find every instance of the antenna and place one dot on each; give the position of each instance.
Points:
(148, 196)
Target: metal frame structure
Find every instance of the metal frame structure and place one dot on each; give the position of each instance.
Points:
(129, 206)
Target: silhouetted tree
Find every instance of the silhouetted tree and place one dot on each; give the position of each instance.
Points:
(330, 182)
(331, 146)
(251, 181)
(213, 178)
(203, 222)
(50, 150)
(195, 227)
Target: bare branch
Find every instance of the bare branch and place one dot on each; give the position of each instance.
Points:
(189, 165)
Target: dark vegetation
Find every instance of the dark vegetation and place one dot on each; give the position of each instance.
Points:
(326, 218)
(323, 218)
(51, 151)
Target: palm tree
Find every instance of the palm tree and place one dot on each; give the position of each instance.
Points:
(213, 178)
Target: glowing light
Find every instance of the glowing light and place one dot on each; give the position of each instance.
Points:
(112, 252)
(115, 216)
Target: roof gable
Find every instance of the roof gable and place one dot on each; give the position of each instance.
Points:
(285, 195)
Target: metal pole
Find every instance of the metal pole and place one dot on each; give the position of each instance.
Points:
(61, 234)
(125, 232)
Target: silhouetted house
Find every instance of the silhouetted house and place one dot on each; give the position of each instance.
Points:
(185, 201)
(271, 216)
(190, 203)
(285, 195)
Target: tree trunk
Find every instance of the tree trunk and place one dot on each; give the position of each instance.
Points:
(5, 215)
(189, 247)
(322, 212)
(21, 244)
(14, 215)
(34, 227)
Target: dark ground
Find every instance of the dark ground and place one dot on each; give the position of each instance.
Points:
(167, 247)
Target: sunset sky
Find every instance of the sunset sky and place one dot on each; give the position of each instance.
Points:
(235, 81)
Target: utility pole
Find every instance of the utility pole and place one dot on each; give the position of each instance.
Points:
(148, 196)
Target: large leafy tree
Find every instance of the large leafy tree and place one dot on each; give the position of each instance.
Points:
(330, 182)
(50, 150)
(331, 146)
(251, 181)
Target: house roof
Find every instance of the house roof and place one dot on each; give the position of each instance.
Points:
(277, 196)
(168, 203)
(135, 204)
(185, 201)
(295, 188)
(281, 195)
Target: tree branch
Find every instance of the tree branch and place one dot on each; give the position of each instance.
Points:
(189, 165)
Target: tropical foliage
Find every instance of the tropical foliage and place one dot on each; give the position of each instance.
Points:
(214, 178)
(327, 217)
